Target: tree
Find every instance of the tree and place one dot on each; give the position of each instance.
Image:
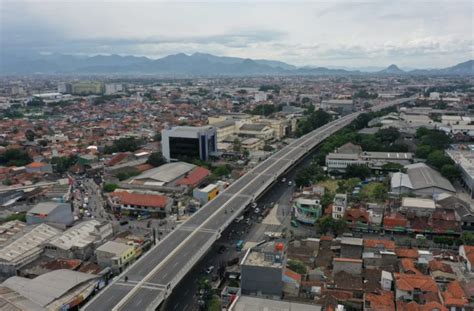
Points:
(388, 135)
(30, 135)
(156, 159)
(379, 192)
(450, 171)
(157, 136)
(62, 164)
(360, 171)
(222, 170)
(437, 159)
(338, 226)
(123, 145)
(110, 187)
(325, 224)
(237, 145)
(15, 157)
(297, 266)
(423, 151)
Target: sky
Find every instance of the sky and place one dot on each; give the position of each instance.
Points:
(335, 33)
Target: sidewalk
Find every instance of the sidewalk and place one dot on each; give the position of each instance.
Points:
(272, 218)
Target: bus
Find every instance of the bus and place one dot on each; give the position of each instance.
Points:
(239, 245)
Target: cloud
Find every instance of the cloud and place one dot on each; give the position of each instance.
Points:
(340, 32)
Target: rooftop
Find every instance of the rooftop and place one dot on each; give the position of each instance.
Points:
(139, 199)
(47, 287)
(28, 244)
(44, 208)
(77, 236)
(166, 172)
(418, 203)
(247, 303)
(113, 247)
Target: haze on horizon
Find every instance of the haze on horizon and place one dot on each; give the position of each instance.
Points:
(339, 33)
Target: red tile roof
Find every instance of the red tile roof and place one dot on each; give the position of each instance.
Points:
(117, 159)
(408, 266)
(438, 265)
(407, 253)
(383, 301)
(455, 295)
(386, 244)
(195, 177)
(408, 282)
(394, 220)
(413, 306)
(36, 164)
(148, 200)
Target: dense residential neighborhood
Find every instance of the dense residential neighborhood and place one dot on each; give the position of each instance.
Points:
(378, 216)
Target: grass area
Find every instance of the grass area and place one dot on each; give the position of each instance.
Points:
(375, 191)
(330, 185)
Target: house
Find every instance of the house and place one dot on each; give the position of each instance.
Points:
(157, 206)
(39, 167)
(413, 287)
(115, 255)
(262, 270)
(467, 254)
(307, 210)
(351, 247)
(348, 265)
(382, 301)
(454, 297)
(418, 207)
(441, 272)
(339, 206)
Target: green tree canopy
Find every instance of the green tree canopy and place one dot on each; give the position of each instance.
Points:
(156, 159)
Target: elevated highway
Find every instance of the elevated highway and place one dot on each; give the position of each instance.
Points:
(152, 278)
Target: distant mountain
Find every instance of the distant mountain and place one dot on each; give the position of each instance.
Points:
(392, 70)
(186, 65)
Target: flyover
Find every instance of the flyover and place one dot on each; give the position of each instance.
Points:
(152, 278)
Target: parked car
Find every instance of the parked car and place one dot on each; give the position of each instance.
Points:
(124, 222)
(233, 261)
(209, 269)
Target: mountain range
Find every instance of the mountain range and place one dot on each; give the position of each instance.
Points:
(197, 64)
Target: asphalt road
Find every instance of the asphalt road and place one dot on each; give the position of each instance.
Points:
(161, 268)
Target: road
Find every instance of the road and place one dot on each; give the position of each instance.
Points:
(152, 278)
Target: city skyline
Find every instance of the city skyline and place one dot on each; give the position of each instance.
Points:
(424, 34)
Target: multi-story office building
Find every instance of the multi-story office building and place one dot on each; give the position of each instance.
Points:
(187, 141)
(85, 88)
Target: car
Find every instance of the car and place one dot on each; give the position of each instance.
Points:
(257, 211)
(209, 269)
(283, 180)
(290, 183)
(221, 249)
(420, 237)
(124, 222)
(247, 221)
(253, 205)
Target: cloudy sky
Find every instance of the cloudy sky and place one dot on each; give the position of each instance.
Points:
(414, 33)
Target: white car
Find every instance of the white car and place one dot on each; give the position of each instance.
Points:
(283, 180)
(209, 269)
(253, 205)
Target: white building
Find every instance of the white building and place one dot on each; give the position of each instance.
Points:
(417, 206)
(79, 241)
(26, 248)
(339, 206)
(112, 88)
(260, 97)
